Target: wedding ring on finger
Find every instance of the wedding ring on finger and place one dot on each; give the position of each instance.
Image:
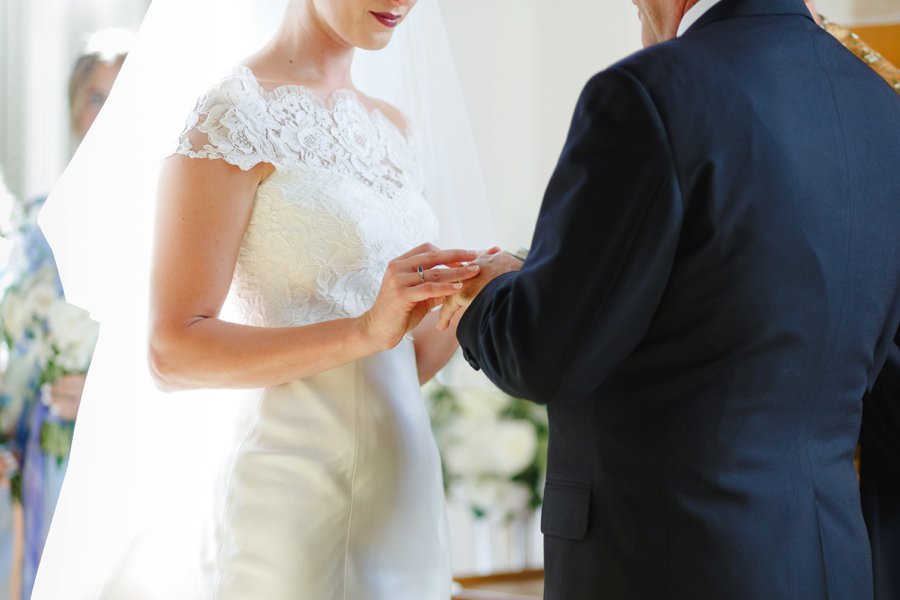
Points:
(421, 271)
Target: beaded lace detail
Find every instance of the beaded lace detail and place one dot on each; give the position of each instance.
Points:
(345, 198)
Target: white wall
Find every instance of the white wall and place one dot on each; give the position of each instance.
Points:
(522, 64)
(860, 12)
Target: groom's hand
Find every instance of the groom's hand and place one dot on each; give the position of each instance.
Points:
(493, 264)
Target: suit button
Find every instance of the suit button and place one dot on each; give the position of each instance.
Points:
(471, 359)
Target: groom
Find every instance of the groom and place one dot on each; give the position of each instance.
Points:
(713, 287)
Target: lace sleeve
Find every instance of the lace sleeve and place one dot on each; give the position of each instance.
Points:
(232, 123)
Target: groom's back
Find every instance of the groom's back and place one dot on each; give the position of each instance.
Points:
(727, 435)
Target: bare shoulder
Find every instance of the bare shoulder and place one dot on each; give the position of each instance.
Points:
(393, 114)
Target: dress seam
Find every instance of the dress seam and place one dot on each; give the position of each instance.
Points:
(356, 403)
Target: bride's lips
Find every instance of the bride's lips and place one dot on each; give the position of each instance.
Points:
(387, 19)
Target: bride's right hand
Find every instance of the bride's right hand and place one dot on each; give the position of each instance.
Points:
(406, 295)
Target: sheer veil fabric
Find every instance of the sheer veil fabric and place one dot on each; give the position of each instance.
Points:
(145, 487)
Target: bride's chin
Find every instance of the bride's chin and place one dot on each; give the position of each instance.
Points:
(376, 41)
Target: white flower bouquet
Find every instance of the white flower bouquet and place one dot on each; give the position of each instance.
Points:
(493, 446)
(54, 336)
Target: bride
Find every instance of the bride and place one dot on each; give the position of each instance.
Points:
(300, 201)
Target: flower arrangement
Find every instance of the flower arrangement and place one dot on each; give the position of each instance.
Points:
(493, 446)
(57, 337)
(42, 332)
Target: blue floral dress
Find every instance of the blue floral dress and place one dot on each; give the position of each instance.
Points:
(40, 440)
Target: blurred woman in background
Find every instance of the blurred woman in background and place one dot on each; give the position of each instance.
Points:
(49, 401)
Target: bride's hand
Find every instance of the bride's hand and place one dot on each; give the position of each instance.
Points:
(412, 287)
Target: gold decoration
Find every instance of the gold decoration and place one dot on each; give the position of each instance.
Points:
(866, 53)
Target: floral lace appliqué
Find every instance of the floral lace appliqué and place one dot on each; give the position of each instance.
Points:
(240, 122)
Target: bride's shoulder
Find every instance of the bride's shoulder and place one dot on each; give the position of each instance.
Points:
(391, 112)
(238, 82)
(230, 121)
(234, 91)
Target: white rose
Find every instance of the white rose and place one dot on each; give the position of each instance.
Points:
(74, 335)
(513, 446)
(42, 292)
(481, 405)
(463, 449)
(500, 448)
(19, 371)
(458, 374)
(514, 499)
(15, 314)
(480, 494)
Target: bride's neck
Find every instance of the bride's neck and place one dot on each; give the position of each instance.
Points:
(305, 50)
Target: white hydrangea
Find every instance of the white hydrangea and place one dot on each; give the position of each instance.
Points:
(502, 448)
(15, 315)
(42, 292)
(489, 443)
(73, 336)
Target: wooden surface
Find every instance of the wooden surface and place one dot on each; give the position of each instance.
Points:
(883, 38)
(527, 585)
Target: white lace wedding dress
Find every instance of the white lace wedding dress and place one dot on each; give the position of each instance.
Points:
(336, 492)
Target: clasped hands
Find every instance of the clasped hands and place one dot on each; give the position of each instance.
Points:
(492, 263)
(423, 279)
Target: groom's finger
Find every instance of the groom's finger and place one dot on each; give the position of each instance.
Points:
(433, 303)
(450, 308)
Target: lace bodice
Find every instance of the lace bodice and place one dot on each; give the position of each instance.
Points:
(345, 198)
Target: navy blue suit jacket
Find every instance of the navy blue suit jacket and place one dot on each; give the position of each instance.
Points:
(713, 288)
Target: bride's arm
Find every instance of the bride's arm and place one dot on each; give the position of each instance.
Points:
(204, 208)
(434, 348)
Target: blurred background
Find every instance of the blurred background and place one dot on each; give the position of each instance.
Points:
(522, 64)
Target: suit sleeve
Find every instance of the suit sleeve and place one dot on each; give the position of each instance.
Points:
(600, 259)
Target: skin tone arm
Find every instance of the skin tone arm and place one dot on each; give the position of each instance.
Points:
(204, 207)
(434, 348)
